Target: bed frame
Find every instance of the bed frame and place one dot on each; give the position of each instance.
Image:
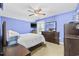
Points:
(37, 46)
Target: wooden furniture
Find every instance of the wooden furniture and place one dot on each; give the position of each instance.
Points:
(4, 34)
(4, 37)
(16, 50)
(71, 40)
(52, 37)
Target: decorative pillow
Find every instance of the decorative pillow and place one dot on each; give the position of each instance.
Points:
(12, 33)
(12, 40)
(12, 37)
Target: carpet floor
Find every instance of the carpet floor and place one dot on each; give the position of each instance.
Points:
(50, 49)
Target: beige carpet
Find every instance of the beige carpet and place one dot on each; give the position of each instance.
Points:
(50, 49)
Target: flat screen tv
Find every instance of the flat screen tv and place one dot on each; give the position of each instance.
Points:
(1, 5)
(33, 25)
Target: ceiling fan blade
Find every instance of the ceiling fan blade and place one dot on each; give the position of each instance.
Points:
(30, 11)
(31, 14)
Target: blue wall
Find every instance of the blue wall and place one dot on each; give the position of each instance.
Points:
(17, 25)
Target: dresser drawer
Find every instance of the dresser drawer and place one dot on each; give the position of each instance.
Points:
(51, 36)
(74, 47)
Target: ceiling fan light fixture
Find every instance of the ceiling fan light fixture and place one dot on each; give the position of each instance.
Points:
(37, 12)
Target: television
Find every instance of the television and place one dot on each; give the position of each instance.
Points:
(1, 5)
(33, 25)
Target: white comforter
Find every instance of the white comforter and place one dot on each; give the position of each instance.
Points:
(30, 39)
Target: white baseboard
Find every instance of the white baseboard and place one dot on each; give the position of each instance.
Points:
(61, 43)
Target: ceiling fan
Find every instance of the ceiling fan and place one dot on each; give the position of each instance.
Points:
(36, 12)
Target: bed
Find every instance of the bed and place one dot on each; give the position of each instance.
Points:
(27, 40)
(30, 39)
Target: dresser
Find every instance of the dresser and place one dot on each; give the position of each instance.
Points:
(52, 37)
(71, 40)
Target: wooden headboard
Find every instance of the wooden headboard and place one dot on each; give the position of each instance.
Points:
(4, 34)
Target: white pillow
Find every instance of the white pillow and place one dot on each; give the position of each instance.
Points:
(12, 33)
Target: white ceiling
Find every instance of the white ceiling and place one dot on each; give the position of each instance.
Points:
(19, 10)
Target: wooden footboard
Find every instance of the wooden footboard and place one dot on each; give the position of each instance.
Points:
(38, 45)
